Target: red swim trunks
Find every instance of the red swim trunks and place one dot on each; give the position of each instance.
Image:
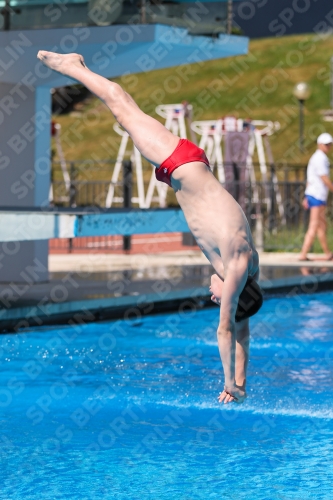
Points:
(185, 152)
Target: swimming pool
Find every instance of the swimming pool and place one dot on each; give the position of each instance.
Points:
(128, 409)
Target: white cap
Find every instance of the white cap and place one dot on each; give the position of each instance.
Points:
(325, 138)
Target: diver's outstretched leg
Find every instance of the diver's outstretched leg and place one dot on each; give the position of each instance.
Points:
(152, 139)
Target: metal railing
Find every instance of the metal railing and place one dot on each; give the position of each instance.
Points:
(90, 181)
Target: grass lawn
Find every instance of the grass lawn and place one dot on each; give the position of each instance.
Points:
(292, 240)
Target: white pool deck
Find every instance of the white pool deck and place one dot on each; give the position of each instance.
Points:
(99, 262)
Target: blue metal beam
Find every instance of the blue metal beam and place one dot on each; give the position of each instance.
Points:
(26, 226)
(110, 51)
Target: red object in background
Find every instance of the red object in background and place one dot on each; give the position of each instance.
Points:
(53, 128)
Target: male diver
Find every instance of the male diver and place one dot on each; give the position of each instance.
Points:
(213, 216)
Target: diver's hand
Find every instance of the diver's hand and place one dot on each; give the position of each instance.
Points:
(215, 300)
(216, 289)
(232, 394)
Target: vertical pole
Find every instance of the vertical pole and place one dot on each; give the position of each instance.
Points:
(286, 174)
(272, 204)
(72, 188)
(72, 199)
(6, 16)
(6, 13)
(259, 229)
(51, 192)
(229, 17)
(127, 196)
(143, 12)
(331, 82)
(301, 125)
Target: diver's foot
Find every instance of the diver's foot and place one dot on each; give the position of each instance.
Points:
(62, 63)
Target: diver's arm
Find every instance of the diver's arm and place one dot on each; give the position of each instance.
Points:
(242, 352)
(234, 283)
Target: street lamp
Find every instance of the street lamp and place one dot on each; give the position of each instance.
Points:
(302, 92)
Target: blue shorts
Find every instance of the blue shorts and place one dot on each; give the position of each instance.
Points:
(313, 202)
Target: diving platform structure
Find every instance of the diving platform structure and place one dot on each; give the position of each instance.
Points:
(212, 132)
(178, 119)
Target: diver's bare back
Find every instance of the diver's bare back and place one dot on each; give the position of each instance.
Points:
(214, 217)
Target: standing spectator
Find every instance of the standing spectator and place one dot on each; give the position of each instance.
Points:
(316, 192)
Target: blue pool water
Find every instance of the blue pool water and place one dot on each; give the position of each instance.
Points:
(128, 409)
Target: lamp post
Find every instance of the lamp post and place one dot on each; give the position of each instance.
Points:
(302, 92)
(229, 17)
